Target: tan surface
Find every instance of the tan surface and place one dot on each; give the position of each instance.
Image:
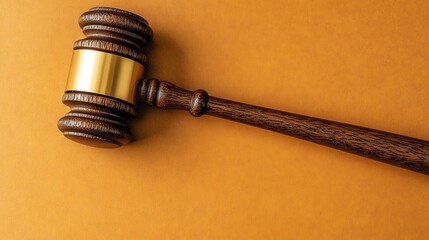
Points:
(362, 62)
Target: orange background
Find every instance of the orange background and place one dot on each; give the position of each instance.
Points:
(362, 62)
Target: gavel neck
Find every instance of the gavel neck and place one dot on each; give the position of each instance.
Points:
(166, 95)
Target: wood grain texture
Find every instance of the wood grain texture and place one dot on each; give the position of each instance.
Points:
(401, 151)
(166, 95)
(101, 121)
(96, 120)
(115, 31)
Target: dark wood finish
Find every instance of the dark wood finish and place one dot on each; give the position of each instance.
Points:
(115, 31)
(406, 152)
(101, 121)
(96, 120)
(168, 96)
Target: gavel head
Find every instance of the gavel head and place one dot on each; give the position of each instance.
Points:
(102, 85)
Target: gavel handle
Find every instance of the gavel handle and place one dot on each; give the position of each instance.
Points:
(401, 151)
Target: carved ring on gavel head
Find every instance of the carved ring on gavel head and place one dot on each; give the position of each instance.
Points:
(106, 82)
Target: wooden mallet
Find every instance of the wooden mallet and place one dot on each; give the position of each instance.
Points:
(106, 82)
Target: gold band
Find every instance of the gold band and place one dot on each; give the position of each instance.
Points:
(104, 73)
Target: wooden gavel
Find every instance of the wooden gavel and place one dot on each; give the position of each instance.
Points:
(105, 84)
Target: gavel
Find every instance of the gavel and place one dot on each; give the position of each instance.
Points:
(106, 82)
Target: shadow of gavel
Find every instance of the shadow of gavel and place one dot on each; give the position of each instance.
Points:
(105, 84)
